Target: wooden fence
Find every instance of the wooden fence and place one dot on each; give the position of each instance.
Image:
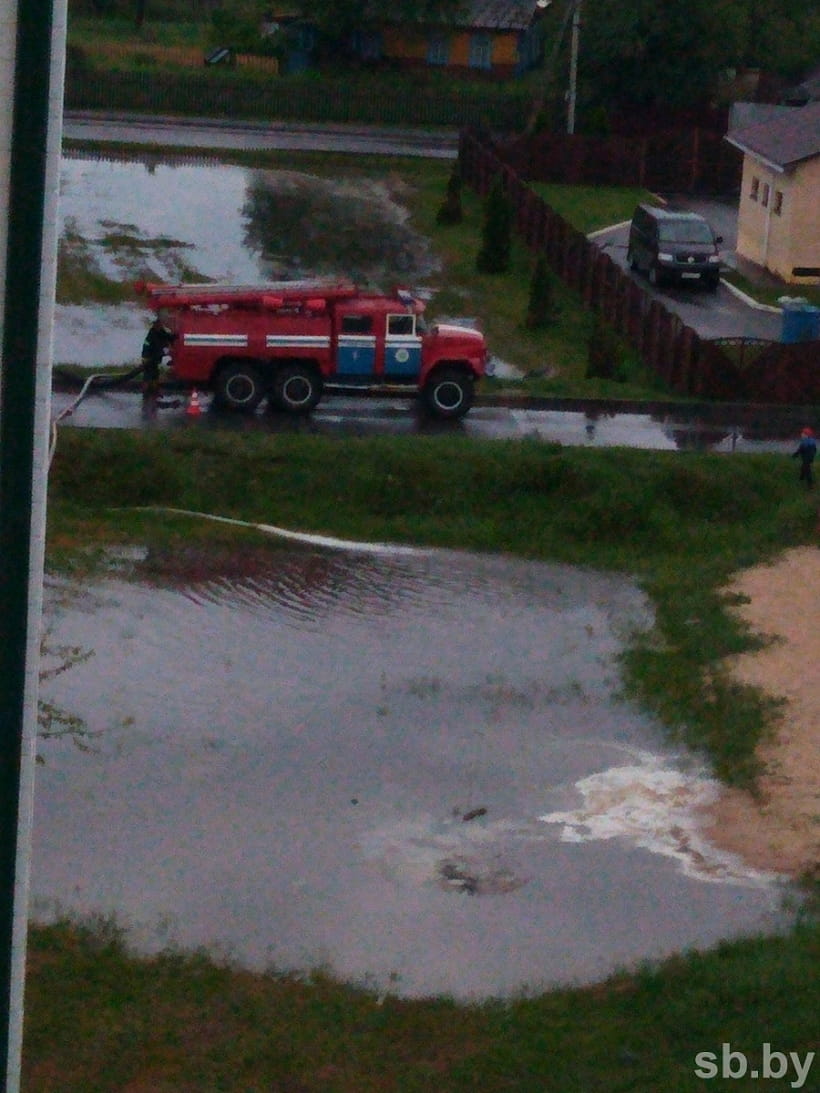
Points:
(724, 369)
(690, 160)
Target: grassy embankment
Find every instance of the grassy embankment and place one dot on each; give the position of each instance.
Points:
(101, 1019)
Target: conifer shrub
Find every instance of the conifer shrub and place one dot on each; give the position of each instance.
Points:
(605, 352)
(494, 255)
(450, 211)
(541, 309)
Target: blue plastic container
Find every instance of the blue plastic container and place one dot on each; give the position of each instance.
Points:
(801, 322)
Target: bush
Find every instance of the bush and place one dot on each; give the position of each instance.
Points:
(494, 256)
(541, 308)
(450, 211)
(605, 358)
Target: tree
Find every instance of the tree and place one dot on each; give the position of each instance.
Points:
(541, 310)
(641, 54)
(450, 210)
(239, 25)
(494, 256)
(604, 351)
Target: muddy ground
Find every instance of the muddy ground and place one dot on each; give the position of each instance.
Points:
(781, 830)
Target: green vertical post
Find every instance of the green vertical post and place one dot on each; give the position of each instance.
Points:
(21, 493)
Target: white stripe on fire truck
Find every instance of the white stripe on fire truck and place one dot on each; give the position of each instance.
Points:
(402, 341)
(236, 341)
(357, 341)
(310, 341)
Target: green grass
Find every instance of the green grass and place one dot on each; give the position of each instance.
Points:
(93, 30)
(589, 208)
(765, 294)
(99, 1019)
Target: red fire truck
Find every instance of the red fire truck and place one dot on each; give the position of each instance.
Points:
(288, 340)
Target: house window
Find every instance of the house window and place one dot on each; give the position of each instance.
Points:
(765, 199)
(367, 45)
(481, 51)
(777, 207)
(438, 49)
(755, 188)
(304, 38)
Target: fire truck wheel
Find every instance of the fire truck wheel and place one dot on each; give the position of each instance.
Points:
(449, 393)
(296, 389)
(239, 387)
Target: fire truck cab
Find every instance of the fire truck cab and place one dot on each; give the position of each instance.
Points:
(288, 340)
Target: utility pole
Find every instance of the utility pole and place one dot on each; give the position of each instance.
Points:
(573, 66)
(32, 66)
(571, 12)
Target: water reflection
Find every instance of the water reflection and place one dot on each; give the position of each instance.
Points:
(373, 762)
(172, 219)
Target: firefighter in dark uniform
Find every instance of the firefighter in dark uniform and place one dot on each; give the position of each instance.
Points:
(157, 340)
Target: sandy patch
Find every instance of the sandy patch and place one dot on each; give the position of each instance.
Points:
(782, 830)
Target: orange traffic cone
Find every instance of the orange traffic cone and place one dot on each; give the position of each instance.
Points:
(194, 409)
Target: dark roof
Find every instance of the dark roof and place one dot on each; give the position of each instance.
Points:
(478, 14)
(743, 115)
(497, 14)
(784, 140)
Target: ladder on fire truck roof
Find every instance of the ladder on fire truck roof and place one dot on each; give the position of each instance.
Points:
(287, 289)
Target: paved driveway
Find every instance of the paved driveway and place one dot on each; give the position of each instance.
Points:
(713, 315)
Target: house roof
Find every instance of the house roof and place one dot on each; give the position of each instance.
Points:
(784, 140)
(478, 14)
(497, 14)
(743, 115)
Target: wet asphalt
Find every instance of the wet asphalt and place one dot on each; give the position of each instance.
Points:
(662, 426)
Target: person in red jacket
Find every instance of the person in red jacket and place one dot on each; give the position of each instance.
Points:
(806, 451)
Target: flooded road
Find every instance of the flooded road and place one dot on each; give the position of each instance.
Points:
(410, 767)
(753, 430)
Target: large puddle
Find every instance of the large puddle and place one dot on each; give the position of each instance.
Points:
(409, 767)
(170, 220)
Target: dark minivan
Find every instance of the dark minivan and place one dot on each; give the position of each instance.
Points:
(673, 247)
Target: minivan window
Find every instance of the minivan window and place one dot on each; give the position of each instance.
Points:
(686, 231)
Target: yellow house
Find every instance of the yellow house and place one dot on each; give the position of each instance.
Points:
(498, 39)
(779, 212)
